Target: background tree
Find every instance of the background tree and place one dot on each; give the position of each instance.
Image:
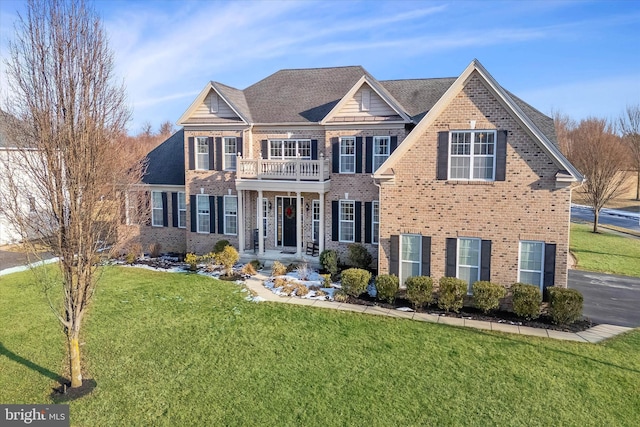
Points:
(564, 125)
(68, 118)
(629, 125)
(599, 154)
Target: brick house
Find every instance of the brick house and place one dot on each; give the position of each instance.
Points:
(446, 176)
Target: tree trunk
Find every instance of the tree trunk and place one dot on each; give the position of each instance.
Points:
(74, 360)
(638, 184)
(596, 215)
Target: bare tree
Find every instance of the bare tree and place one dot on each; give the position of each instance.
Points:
(69, 116)
(598, 153)
(166, 129)
(564, 125)
(630, 127)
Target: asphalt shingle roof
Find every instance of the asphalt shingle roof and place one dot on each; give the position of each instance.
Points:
(166, 162)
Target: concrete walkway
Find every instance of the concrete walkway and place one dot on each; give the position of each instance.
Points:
(592, 335)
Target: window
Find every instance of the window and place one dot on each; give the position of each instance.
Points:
(202, 153)
(531, 267)
(365, 100)
(204, 221)
(347, 221)
(230, 214)
(290, 149)
(472, 155)
(347, 155)
(410, 256)
(375, 222)
(230, 152)
(265, 205)
(381, 150)
(156, 209)
(315, 220)
(182, 210)
(468, 261)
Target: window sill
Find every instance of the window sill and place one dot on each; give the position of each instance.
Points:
(469, 182)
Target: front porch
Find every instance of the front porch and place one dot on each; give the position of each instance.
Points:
(269, 256)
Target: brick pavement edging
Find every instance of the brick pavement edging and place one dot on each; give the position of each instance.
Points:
(591, 335)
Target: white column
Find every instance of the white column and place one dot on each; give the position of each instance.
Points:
(260, 225)
(298, 225)
(321, 226)
(240, 221)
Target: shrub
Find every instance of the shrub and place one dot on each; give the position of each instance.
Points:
(526, 300)
(326, 280)
(451, 293)
(192, 260)
(320, 293)
(256, 264)
(302, 290)
(279, 282)
(387, 287)
(419, 290)
(355, 281)
(291, 267)
(248, 269)
(303, 271)
(358, 256)
(227, 257)
(278, 269)
(288, 288)
(486, 295)
(155, 250)
(220, 245)
(565, 305)
(340, 296)
(329, 261)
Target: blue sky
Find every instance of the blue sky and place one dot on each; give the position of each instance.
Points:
(581, 58)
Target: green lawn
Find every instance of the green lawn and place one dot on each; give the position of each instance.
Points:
(177, 350)
(606, 252)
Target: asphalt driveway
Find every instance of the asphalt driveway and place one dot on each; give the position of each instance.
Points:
(608, 298)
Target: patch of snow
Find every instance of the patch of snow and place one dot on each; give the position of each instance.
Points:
(371, 290)
(404, 309)
(255, 299)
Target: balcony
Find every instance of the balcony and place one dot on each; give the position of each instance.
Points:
(287, 170)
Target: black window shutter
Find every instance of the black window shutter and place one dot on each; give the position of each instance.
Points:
(549, 265)
(264, 146)
(239, 145)
(368, 155)
(501, 155)
(212, 215)
(443, 156)
(174, 209)
(218, 155)
(394, 144)
(123, 208)
(194, 213)
(335, 155)
(165, 210)
(358, 222)
(314, 149)
(426, 256)
(485, 260)
(192, 154)
(211, 153)
(452, 254)
(335, 208)
(394, 254)
(358, 154)
(148, 207)
(220, 215)
(368, 221)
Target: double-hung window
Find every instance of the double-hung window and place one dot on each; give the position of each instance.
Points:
(204, 221)
(375, 222)
(230, 149)
(290, 148)
(381, 150)
(156, 209)
(347, 221)
(469, 261)
(202, 153)
(472, 155)
(182, 210)
(231, 215)
(410, 256)
(347, 154)
(315, 220)
(531, 266)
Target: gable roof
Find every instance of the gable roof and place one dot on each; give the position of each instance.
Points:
(417, 96)
(234, 98)
(165, 163)
(514, 107)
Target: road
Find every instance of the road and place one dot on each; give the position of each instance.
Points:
(610, 299)
(608, 217)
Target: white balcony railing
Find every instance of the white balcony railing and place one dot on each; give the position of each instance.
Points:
(290, 169)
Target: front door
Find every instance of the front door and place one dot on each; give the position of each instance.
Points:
(289, 212)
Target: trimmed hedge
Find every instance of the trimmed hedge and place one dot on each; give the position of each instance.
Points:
(419, 290)
(486, 295)
(451, 293)
(387, 287)
(329, 261)
(358, 256)
(526, 300)
(355, 281)
(565, 305)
